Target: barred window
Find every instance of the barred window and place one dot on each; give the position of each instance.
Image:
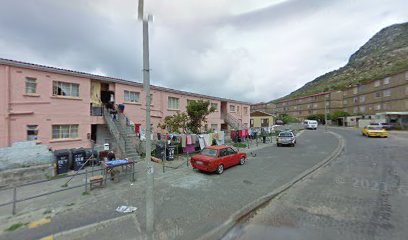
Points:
(173, 103)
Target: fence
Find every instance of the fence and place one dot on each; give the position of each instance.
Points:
(14, 189)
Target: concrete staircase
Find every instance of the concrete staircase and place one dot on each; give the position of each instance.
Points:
(124, 136)
(232, 121)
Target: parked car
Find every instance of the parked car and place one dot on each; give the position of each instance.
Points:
(310, 124)
(286, 138)
(383, 125)
(374, 131)
(217, 158)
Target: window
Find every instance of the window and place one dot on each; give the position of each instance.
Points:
(315, 105)
(387, 80)
(406, 75)
(355, 110)
(132, 97)
(251, 122)
(237, 109)
(327, 104)
(309, 106)
(406, 90)
(378, 94)
(362, 99)
(246, 109)
(355, 99)
(214, 126)
(32, 132)
(65, 89)
(30, 85)
(355, 90)
(173, 103)
(406, 104)
(215, 106)
(295, 107)
(345, 101)
(377, 83)
(362, 109)
(387, 93)
(64, 131)
(264, 122)
(377, 107)
(232, 108)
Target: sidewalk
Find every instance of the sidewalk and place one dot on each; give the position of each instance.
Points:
(58, 203)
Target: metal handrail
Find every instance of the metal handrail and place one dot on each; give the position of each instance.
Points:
(115, 131)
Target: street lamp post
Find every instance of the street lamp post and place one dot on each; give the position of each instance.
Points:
(146, 86)
(325, 115)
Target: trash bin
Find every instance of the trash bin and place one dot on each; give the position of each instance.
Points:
(78, 158)
(62, 161)
(160, 146)
(171, 150)
(264, 139)
(106, 147)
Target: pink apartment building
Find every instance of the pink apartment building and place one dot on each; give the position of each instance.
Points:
(63, 108)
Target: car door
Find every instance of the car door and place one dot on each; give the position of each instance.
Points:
(233, 156)
(224, 158)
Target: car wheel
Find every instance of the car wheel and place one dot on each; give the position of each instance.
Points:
(242, 161)
(220, 169)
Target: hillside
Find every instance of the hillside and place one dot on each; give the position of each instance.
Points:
(386, 53)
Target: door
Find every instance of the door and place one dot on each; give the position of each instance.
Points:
(233, 157)
(224, 158)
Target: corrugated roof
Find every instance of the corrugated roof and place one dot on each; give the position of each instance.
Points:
(39, 67)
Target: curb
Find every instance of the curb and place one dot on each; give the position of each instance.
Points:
(224, 228)
(79, 233)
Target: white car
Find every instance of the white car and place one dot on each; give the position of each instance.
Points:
(310, 124)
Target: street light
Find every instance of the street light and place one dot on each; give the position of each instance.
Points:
(146, 85)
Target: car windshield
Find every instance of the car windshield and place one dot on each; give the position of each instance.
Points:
(209, 152)
(285, 134)
(374, 128)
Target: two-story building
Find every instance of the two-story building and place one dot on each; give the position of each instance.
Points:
(67, 109)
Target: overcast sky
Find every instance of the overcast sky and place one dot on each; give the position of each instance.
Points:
(251, 50)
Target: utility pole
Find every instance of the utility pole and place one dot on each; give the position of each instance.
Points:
(146, 86)
(325, 115)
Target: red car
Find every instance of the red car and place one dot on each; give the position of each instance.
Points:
(217, 158)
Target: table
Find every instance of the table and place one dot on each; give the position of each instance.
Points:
(124, 163)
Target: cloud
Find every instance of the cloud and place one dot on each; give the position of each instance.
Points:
(246, 50)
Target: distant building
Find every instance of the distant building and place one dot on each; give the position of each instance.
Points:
(261, 119)
(383, 95)
(302, 107)
(269, 107)
(67, 109)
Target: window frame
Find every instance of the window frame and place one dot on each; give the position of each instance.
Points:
(64, 129)
(56, 85)
(131, 96)
(232, 108)
(173, 101)
(34, 83)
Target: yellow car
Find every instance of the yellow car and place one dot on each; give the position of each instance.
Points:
(374, 131)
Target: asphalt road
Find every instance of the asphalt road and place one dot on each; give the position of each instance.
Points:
(361, 195)
(189, 203)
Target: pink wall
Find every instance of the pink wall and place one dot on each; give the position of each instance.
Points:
(44, 109)
(18, 109)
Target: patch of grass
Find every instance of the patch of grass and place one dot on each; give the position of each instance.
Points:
(240, 145)
(15, 226)
(85, 193)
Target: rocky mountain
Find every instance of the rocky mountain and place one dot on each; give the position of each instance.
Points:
(386, 53)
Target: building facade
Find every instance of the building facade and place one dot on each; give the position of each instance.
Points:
(382, 95)
(261, 119)
(268, 107)
(64, 109)
(302, 107)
